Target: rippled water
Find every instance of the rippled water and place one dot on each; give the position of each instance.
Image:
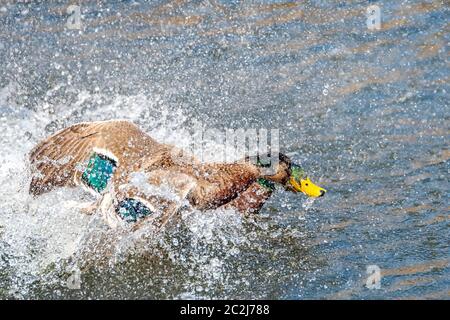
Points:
(365, 111)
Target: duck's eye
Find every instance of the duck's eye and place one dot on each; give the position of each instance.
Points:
(306, 184)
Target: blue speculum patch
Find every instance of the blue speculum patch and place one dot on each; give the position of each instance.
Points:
(131, 210)
(98, 172)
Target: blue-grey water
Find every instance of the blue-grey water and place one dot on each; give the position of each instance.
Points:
(366, 112)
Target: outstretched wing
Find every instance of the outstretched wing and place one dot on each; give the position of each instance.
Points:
(59, 160)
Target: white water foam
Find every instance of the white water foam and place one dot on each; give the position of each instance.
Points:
(36, 233)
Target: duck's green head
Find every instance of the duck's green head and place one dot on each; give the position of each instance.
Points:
(299, 182)
(292, 176)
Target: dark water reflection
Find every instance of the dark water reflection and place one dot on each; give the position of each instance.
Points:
(366, 112)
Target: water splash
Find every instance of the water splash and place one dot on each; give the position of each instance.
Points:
(45, 239)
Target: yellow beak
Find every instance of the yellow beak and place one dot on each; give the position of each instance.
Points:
(307, 187)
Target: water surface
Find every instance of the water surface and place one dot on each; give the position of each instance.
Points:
(365, 111)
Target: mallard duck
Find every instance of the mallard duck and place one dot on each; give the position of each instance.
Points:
(124, 166)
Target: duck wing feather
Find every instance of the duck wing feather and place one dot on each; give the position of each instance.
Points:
(58, 160)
